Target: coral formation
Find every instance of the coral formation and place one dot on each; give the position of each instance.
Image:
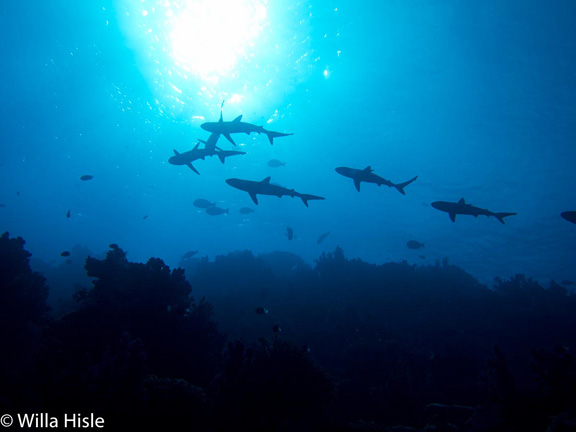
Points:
(344, 345)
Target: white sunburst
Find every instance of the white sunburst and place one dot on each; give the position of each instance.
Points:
(208, 37)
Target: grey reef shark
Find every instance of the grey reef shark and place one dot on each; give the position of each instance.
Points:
(264, 187)
(367, 175)
(196, 153)
(226, 128)
(210, 145)
(461, 208)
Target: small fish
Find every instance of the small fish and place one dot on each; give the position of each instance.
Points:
(422, 257)
(276, 329)
(216, 211)
(2, 205)
(275, 163)
(145, 217)
(68, 214)
(567, 282)
(65, 254)
(245, 210)
(189, 254)
(261, 311)
(413, 244)
(202, 203)
(322, 237)
(289, 233)
(86, 177)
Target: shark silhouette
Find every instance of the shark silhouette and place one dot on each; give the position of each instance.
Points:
(210, 145)
(461, 208)
(226, 128)
(264, 187)
(366, 175)
(196, 153)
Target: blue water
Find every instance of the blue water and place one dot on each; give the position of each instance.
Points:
(477, 100)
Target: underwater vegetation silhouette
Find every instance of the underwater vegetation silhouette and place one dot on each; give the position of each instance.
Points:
(275, 344)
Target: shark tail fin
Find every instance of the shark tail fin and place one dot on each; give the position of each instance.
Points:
(306, 197)
(501, 216)
(401, 186)
(272, 135)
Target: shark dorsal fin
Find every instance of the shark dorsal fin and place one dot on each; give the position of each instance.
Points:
(176, 153)
(368, 169)
(196, 146)
(238, 119)
(266, 180)
(462, 201)
(221, 107)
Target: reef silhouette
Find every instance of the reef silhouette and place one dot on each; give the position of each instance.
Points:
(343, 346)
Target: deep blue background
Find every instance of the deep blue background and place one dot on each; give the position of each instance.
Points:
(475, 99)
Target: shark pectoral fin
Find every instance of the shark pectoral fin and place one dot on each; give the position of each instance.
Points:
(222, 158)
(254, 197)
(229, 138)
(238, 119)
(357, 184)
(196, 146)
(452, 217)
(189, 165)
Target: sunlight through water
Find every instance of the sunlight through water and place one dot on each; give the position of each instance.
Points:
(196, 53)
(209, 36)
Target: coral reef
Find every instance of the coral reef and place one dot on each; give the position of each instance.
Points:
(341, 346)
(23, 310)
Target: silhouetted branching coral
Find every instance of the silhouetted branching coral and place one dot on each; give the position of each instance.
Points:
(23, 293)
(426, 347)
(174, 334)
(149, 287)
(23, 308)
